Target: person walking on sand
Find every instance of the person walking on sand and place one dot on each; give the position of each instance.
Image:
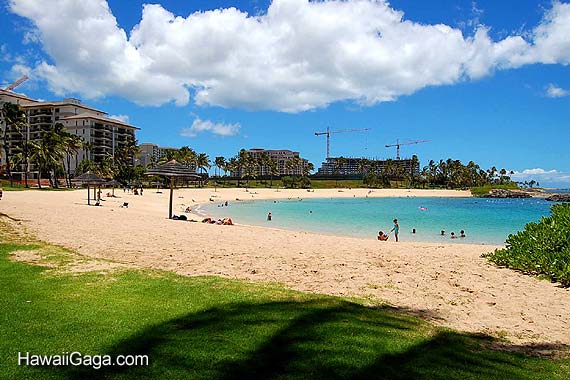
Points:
(1, 193)
(396, 229)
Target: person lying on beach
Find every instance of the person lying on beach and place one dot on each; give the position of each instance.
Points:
(207, 220)
(382, 236)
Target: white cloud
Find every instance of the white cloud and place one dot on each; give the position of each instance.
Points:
(123, 118)
(219, 129)
(542, 176)
(553, 91)
(298, 56)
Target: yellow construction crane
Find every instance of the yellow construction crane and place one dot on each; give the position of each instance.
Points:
(17, 83)
(398, 143)
(328, 133)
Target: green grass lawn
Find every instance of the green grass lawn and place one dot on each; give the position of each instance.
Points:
(212, 328)
(484, 190)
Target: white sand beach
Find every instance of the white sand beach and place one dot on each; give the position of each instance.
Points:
(449, 284)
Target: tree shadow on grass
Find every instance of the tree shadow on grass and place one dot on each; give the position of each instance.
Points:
(326, 339)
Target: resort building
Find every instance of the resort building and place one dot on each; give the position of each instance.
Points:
(103, 134)
(149, 154)
(355, 166)
(280, 156)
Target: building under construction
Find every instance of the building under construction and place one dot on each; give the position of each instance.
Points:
(280, 156)
(358, 166)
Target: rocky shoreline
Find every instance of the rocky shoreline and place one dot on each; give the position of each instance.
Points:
(502, 193)
(559, 198)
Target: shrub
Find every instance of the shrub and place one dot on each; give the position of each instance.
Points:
(541, 248)
(484, 190)
(294, 182)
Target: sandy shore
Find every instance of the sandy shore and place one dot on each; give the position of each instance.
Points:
(449, 284)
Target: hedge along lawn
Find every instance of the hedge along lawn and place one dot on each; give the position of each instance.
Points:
(212, 328)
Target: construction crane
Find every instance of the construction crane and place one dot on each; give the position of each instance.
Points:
(17, 83)
(398, 144)
(328, 133)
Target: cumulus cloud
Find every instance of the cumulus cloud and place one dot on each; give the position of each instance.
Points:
(220, 129)
(542, 176)
(553, 91)
(298, 56)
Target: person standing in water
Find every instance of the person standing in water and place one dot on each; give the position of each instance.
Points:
(269, 217)
(396, 229)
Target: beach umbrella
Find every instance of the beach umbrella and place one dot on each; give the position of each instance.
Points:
(88, 178)
(171, 170)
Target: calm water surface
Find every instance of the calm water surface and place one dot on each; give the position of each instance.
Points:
(487, 221)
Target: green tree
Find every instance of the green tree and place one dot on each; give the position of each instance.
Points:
(15, 121)
(273, 171)
(339, 164)
(220, 163)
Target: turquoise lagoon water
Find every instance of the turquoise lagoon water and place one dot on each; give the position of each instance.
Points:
(487, 221)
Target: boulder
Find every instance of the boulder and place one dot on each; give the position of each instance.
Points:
(559, 198)
(501, 193)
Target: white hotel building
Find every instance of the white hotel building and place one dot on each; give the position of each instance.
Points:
(103, 133)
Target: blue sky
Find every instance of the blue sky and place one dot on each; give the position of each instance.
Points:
(486, 81)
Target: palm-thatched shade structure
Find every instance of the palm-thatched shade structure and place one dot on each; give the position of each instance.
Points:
(172, 169)
(113, 184)
(88, 178)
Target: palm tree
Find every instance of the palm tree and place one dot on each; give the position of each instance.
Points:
(414, 164)
(85, 166)
(251, 166)
(364, 166)
(388, 172)
(273, 171)
(503, 175)
(289, 166)
(15, 120)
(308, 168)
(232, 166)
(263, 163)
(242, 160)
(47, 153)
(71, 143)
(186, 156)
(338, 165)
(219, 162)
(203, 162)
